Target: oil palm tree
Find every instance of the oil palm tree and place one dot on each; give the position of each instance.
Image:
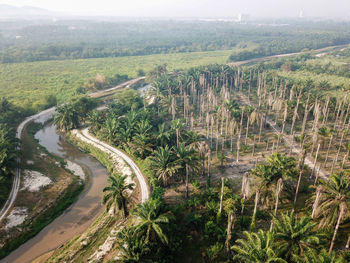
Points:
(163, 135)
(257, 247)
(186, 159)
(95, 120)
(293, 236)
(151, 221)
(110, 129)
(116, 193)
(315, 256)
(334, 202)
(177, 126)
(163, 163)
(140, 145)
(268, 174)
(131, 247)
(67, 117)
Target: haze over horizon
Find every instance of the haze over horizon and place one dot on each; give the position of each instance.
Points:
(193, 8)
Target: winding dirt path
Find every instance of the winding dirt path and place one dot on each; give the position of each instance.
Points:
(86, 137)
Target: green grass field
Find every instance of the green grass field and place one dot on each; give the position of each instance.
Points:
(26, 84)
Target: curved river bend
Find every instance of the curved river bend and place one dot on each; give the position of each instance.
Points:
(78, 216)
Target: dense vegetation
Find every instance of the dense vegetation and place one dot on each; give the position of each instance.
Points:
(9, 117)
(34, 41)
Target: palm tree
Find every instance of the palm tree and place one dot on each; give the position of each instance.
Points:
(67, 117)
(132, 248)
(315, 256)
(334, 202)
(110, 129)
(163, 163)
(186, 157)
(324, 133)
(152, 221)
(140, 145)
(163, 136)
(95, 120)
(293, 236)
(177, 125)
(116, 192)
(268, 174)
(257, 247)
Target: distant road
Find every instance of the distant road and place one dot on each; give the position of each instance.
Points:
(256, 60)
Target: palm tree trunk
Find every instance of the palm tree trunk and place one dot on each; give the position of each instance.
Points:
(340, 217)
(295, 112)
(317, 201)
(314, 168)
(306, 113)
(186, 181)
(278, 192)
(301, 166)
(222, 194)
(209, 161)
(229, 230)
(329, 147)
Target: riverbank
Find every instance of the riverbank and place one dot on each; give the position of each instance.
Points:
(97, 241)
(41, 198)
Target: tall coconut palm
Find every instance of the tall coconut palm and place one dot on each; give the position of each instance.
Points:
(151, 221)
(257, 247)
(293, 236)
(334, 203)
(164, 164)
(116, 192)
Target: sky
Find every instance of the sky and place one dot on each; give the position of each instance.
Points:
(193, 8)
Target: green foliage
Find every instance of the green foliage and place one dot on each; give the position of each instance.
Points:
(293, 236)
(116, 193)
(257, 247)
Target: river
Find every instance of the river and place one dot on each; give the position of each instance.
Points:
(78, 216)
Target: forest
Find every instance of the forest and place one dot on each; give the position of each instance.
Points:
(74, 39)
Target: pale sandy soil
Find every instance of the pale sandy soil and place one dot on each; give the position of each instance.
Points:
(17, 216)
(76, 169)
(33, 181)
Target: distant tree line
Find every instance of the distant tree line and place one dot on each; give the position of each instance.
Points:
(90, 39)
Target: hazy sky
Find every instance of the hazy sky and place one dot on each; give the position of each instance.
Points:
(193, 8)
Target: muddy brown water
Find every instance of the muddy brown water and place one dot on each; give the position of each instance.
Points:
(79, 215)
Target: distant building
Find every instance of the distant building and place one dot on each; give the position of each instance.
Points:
(242, 18)
(301, 14)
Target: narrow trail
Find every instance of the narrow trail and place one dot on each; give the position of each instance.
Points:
(86, 137)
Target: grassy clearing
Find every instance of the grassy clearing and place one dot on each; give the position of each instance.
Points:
(25, 83)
